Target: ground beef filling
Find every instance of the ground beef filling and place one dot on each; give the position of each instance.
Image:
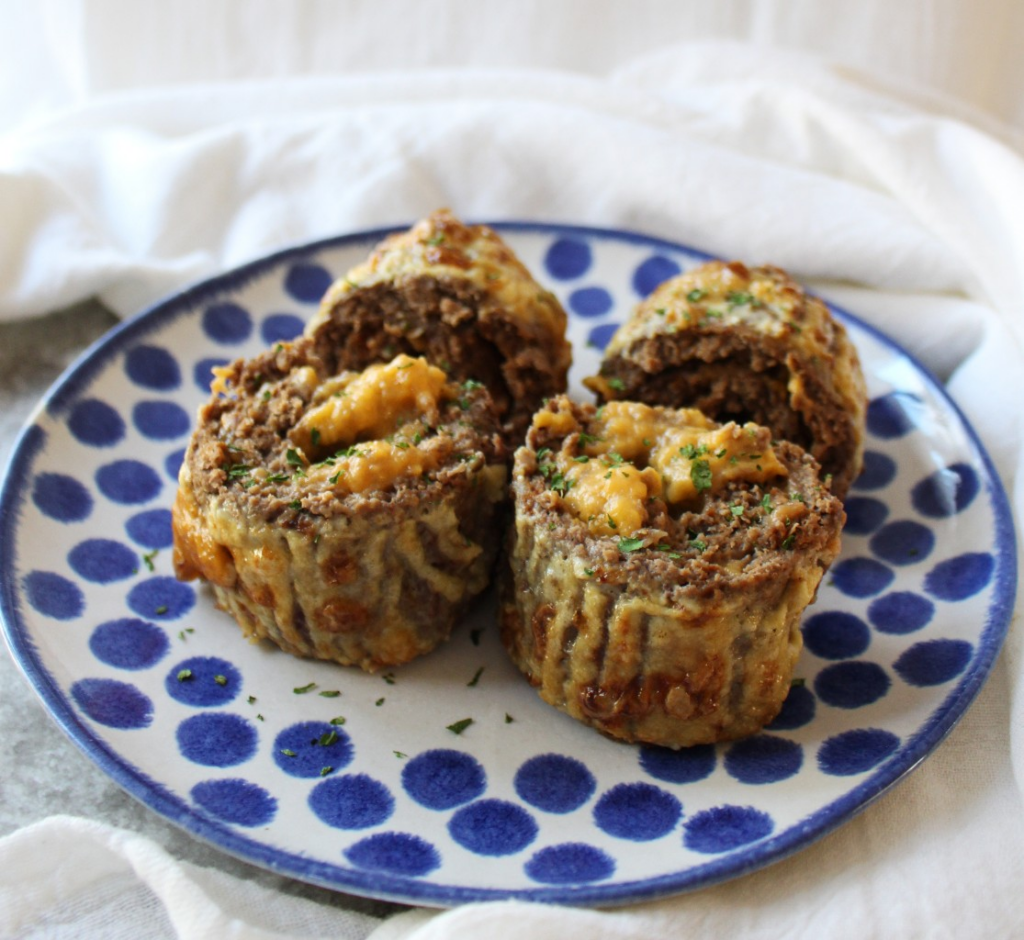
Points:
(451, 323)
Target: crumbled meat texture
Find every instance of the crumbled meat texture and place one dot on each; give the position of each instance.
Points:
(455, 326)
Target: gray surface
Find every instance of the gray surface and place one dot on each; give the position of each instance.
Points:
(43, 773)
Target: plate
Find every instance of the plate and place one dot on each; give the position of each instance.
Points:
(448, 780)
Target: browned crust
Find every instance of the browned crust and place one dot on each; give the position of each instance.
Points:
(692, 645)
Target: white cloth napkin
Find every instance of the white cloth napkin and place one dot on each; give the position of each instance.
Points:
(891, 204)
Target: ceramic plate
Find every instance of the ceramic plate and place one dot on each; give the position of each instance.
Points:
(449, 780)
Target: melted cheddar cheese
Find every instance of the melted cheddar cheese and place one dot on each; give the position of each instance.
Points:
(631, 453)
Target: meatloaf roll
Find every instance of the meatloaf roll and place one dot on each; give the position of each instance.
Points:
(344, 516)
(745, 344)
(458, 295)
(659, 565)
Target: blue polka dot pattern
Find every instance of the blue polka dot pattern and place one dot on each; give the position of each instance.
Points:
(958, 578)
(151, 529)
(161, 598)
(568, 258)
(851, 684)
(95, 423)
(933, 662)
(161, 420)
(763, 758)
(864, 515)
(53, 595)
(227, 323)
(103, 560)
(570, 863)
(152, 367)
(836, 634)
(306, 748)
(128, 482)
(129, 643)
(554, 783)
(900, 612)
(857, 751)
(203, 682)
(878, 472)
(354, 801)
(590, 302)
(652, 272)
(443, 779)
(235, 801)
(906, 626)
(946, 492)
(493, 827)
(639, 812)
(396, 853)
(687, 765)
(307, 283)
(172, 465)
(61, 497)
(861, 577)
(202, 373)
(280, 328)
(798, 710)
(725, 828)
(600, 336)
(893, 415)
(216, 739)
(114, 704)
(903, 543)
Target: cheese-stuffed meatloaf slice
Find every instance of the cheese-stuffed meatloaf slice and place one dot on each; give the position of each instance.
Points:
(459, 296)
(658, 568)
(342, 515)
(745, 344)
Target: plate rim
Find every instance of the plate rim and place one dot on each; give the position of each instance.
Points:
(412, 890)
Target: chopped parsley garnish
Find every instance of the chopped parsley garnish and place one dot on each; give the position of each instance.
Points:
(617, 384)
(288, 752)
(698, 543)
(436, 240)
(314, 436)
(252, 699)
(787, 542)
(276, 478)
(736, 509)
(238, 470)
(797, 682)
(293, 457)
(295, 504)
(696, 294)
(303, 689)
(389, 678)
(797, 498)
(184, 675)
(324, 771)
(476, 678)
(738, 298)
(692, 451)
(667, 550)
(400, 754)
(766, 502)
(379, 702)
(328, 738)
(700, 474)
(329, 693)
(508, 718)
(630, 545)
(220, 680)
(589, 572)
(162, 609)
(148, 559)
(458, 727)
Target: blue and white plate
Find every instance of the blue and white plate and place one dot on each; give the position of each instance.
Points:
(449, 780)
